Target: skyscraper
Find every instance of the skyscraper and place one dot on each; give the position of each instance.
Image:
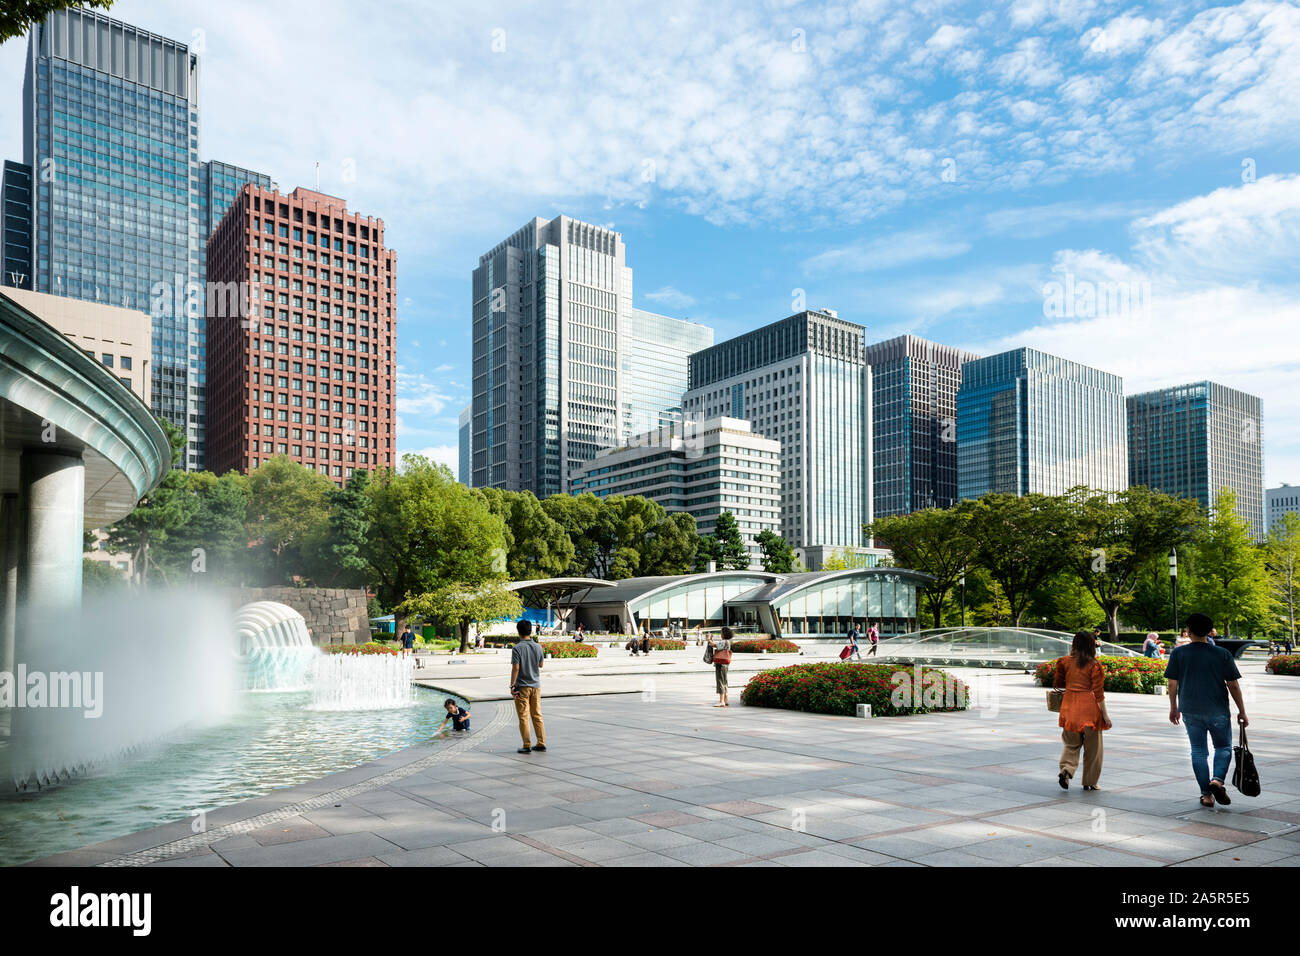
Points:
(803, 381)
(463, 462)
(653, 357)
(563, 364)
(1193, 440)
(303, 337)
(1280, 501)
(1029, 422)
(914, 386)
(16, 208)
(111, 136)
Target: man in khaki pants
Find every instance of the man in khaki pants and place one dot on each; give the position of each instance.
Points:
(526, 661)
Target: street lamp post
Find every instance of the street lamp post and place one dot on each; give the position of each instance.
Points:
(962, 581)
(1173, 581)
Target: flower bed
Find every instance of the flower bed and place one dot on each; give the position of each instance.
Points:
(1288, 665)
(558, 649)
(666, 644)
(359, 649)
(837, 688)
(772, 646)
(1124, 675)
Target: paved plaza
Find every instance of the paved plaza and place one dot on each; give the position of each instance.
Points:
(644, 772)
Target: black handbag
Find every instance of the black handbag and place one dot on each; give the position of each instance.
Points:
(1245, 777)
(708, 653)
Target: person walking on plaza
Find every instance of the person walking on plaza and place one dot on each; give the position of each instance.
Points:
(873, 635)
(854, 651)
(721, 660)
(408, 642)
(1200, 678)
(1083, 710)
(526, 660)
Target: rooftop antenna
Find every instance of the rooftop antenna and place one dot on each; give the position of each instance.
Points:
(318, 175)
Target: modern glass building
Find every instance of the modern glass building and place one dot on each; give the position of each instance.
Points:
(653, 355)
(563, 365)
(122, 206)
(914, 386)
(702, 468)
(219, 186)
(1029, 422)
(463, 462)
(810, 604)
(16, 209)
(1193, 440)
(804, 382)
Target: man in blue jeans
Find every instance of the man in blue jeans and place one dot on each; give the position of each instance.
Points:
(1201, 676)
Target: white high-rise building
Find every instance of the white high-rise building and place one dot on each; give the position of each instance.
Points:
(1279, 501)
(803, 381)
(563, 364)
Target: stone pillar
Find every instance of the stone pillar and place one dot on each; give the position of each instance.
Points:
(54, 490)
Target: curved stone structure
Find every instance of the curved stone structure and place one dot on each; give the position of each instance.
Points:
(269, 624)
(77, 451)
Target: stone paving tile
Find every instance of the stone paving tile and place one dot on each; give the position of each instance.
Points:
(429, 856)
(706, 854)
(204, 859)
(659, 839)
(668, 818)
(288, 831)
(644, 859)
(416, 836)
(329, 849)
(600, 849)
(818, 858)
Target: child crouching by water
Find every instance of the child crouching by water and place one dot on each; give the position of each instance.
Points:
(458, 716)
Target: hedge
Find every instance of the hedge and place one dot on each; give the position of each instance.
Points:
(1124, 675)
(1288, 665)
(559, 649)
(359, 649)
(771, 645)
(837, 688)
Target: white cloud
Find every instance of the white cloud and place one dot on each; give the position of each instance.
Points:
(887, 252)
(1124, 34)
(671, 298)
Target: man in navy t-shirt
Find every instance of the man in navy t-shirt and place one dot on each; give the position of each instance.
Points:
(1201, 676)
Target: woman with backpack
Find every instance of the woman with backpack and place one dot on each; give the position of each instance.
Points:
(1083, 710)
(720, 655)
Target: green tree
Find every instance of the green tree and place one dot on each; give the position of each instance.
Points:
(100, 577)
(731, 545)
(1151, 608)
(537, 546)
(212, 542)
(1283, 560)
(1231, 583)
(933, 541)
(162, 510)
(582, 517)
(18, 16)
(708, 550)
(338, 543)
(778, 556)
(427, 529)
(286, 511)
(671, 545)
(1020, 541)
(1113, 537)
(460, 603)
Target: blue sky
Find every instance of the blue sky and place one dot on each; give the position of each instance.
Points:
(922, 167)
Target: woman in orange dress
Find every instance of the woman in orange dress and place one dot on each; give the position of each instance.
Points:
(1083, 710)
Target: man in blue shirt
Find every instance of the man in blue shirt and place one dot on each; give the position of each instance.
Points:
(1201, 676)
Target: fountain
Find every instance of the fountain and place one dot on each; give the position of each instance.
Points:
(275, 649)
(361, 682)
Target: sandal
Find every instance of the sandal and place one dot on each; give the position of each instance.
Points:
(1220, 793)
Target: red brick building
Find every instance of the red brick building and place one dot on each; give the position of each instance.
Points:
(301, 335)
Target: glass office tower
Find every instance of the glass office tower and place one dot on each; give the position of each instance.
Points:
(463, 467)
(653, 356)
(563, 364)
(803, 381)
(1029, 422)
(122, 206)
(16, 207)
(914, 386)
(1193, 440)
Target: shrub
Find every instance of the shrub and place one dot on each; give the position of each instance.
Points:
(665, 644)
(837, 688)
(772, 646)
(358, 649)
(1124, 675)
(560, 649)
(1287, 665)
